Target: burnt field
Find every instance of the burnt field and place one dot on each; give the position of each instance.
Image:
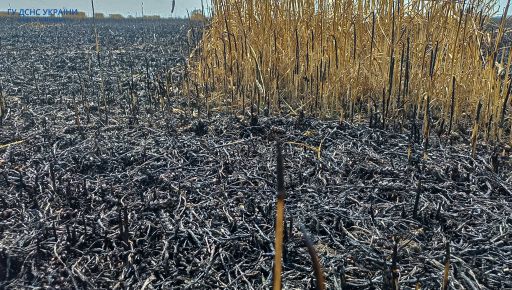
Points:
(111, 178)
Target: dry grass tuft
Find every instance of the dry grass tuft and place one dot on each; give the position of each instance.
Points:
(400, 62)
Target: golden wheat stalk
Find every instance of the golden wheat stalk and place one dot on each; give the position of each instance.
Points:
(279, 234)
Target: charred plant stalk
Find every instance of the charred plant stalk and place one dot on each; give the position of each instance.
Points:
(446, 272)
(504, 106)
(317, 267)
(417, 201)
(452, 107)
(52, 177)
(391, 66)
(395, 271)
(95, 32)
(474, 134)
(3, 105)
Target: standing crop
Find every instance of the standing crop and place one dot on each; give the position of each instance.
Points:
(396, 62)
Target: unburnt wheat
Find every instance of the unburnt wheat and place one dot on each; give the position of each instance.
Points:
(435, 59)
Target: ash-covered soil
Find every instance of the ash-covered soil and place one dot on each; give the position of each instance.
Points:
(97, 192)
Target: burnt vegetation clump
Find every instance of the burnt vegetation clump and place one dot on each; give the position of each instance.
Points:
(122, 166)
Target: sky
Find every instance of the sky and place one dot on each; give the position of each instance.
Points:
(124, 7)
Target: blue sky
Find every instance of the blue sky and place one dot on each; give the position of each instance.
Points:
(125, 7)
